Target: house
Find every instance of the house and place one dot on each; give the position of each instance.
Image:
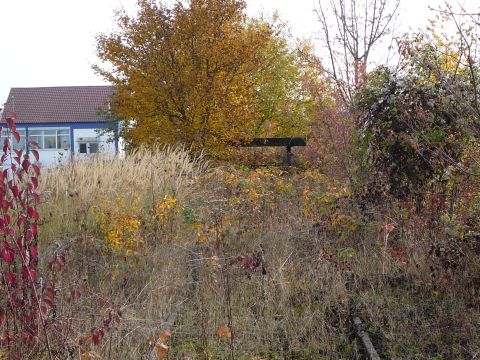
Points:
(64, 121)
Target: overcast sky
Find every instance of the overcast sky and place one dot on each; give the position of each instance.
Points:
(52, 42)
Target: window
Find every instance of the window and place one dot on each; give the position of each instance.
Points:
(93, 148)
(83, 148)
(16, 145)
(88, 147)
(51, 138)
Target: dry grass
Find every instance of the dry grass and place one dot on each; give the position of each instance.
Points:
(167, 171)
(70, 191)
(318, 265)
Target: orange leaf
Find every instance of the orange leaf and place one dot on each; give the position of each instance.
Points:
(164, 335)
(223, 331)
(162, 351)
(389, 227)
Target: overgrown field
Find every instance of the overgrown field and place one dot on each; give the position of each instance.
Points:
(213, 261)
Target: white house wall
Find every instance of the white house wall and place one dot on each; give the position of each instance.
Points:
(52, 157)
(105, 147)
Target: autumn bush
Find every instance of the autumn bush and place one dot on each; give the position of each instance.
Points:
(37, 307)
(28, 295)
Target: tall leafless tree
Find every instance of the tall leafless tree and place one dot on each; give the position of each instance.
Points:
(351, 29)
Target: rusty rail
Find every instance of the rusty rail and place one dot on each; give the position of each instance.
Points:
(365, 338)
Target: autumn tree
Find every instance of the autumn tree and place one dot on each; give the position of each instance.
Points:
(204, 74)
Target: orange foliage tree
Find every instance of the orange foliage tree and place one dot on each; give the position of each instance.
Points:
(204, 74)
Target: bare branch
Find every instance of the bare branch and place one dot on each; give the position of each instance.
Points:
(350, 33)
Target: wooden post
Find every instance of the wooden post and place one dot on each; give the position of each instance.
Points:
(289, 156)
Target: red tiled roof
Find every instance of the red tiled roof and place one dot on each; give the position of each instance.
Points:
(62, 104)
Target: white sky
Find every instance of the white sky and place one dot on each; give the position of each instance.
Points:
(52, 42)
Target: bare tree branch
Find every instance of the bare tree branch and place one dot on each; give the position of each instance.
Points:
(350, 34)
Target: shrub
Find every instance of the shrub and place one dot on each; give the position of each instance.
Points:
(411, 131)
(28, 322)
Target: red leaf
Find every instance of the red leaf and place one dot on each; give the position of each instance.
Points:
(33, 252)
(15, 190)
(248, 262)
(25, 165)
(21, 242)
(36, 169)
(60, 259)
(35, 154)
(8, 255)
(11, 278)
(20, 174)
(21, 220)
(34, 228)
(6, 145)
(32, 213)
(34, 182)
(29, 273)
(11, 124)
(5, 205)
(49, 294)
(2, 316)
(36, 197)
(97, 336)
(34, 143)
(52, 265)
(16, 135)
(74, 295)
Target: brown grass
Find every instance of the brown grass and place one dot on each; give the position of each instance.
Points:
(316, 268)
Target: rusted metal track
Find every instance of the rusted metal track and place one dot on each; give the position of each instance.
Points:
(365, 338)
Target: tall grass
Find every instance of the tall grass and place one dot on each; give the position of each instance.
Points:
(167, 171)
(69, 192)
(147, 285)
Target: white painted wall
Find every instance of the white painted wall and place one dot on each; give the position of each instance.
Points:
(51, 157)
(105, 147)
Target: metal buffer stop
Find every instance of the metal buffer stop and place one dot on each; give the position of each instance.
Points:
(287, 142)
